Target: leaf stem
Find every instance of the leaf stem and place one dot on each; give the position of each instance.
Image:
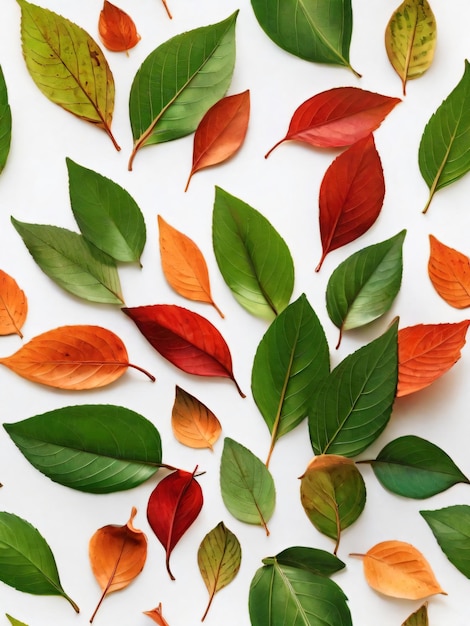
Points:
(144, 371)
(208, 605)
(111, 136)
(274, 147)
(74, 604)
(167, 9)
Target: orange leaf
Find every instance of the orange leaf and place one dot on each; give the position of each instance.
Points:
(221, 132)
(398, 569)
(193, 424)
(449, 271)
(117, 29)
(426, 352)
(157, 616)
(72, 357)
(13, 306)
(183, 265)
(117, 556)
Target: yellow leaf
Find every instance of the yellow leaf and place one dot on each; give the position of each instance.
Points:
(193, 424)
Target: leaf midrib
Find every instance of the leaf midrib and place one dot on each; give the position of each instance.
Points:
(439, 472)
(292, 593)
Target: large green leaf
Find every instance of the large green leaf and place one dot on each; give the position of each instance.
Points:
(364, 286)
(74, 264)
(352, 406)
(106, 214)
(290, 360)
(315, 30)
(179, 81)
(5, 122)
(310, 559)
(254, 260)
(93, 448)
(444, 151)
(26, 560)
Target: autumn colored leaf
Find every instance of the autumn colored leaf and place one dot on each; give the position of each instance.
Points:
(72, 357)
(184, 265)
(419, 617)
(117, 556)
(186, 339)
(449, 271)
(221, 132)
(426, 352)
(13, 306)
(351, 195)
(338, 117)
(5, 122)
(117, 29)
(398, 569)
(157, 616)
(193, 424)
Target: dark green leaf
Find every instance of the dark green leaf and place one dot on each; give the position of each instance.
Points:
(312, 560)
(5, 122)
(451, 527)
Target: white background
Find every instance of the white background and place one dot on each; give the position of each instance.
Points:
(284, 188)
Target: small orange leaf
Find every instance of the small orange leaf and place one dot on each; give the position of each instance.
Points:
(13, 306)
(117, 29)
(117, 556)
(398, 569)
(184, 265)
(157, 615)
(449, 271)
(194, 425)
(426, 352)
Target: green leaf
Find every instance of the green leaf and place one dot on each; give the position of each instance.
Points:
(444, 150)
(364, 286)
(415, 468)
(315, 30)
(14, 622)
(418, 618)
(310, 559)
(67, 65)
(26, 560)
(179, 82)
(5, 122)
(353, 405)
(106, 214)
(451, 528)
(70, 261)
(253, 259)
(246, 484)
(92, 448)
(290, 360)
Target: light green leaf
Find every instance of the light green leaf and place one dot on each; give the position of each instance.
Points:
(253, 259)
(67, 65)
(179, 82)
(106, 214)
(312, 560)
(92, 448)
(74, 264)
(363, 287)
(14, 622)
(418, 618)
(351, 408)
(26, 560)
(444, 150)
(5, 122)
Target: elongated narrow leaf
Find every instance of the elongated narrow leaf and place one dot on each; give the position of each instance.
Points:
(253, 259)
(26, 560)
(449, 271)
(363, 287)
(451, 528)
(315, 31)
(92, 448)
(291, 359)
(310, 559)
(410, 39)
(415, 468)
(13, 306)
(14, 622)
(444, 150)
(193, 423)
(179, 81)
(67, 65)
(5, 122)
(106, 214)
(352, 406)
(117, 29)
(351, 195)
(70, 261)
(418, 618)
(247, 486)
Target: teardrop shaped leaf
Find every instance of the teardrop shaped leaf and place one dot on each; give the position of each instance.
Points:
(193, 424)
(5, 122)
(117, 29)
(26, 560)
(351, 407)
(187, 75)
(91, 448)
(106, 214)
(444, 150)
(418, 618)
(13, 306)
(253, 259)
(68, 66)
(449, 271)
(310, 559)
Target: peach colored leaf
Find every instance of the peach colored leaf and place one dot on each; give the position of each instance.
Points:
(426, 352)
(117, 29)
(193, 424)
(184, 265)
(13, 306)
(449, 271)
(157, 615)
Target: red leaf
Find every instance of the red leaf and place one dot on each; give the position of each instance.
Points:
(117, 29)
(186, 339)
(173, 506)
(338, 117)
(351, 195)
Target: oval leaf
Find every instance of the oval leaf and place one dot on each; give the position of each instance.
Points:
(92, 448)
(193, 424)
(418, 618)
(13, 306)
(117, 29)
(449, 271)
(5, 122)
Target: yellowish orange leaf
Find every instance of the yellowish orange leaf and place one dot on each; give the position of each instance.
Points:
(157, 616)
(449, 271)
(117, 29)
(193, 424)
(13, 306)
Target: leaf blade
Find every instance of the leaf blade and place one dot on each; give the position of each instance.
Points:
(13, 306)
(5, 122)
(193, 424)
(449, 271)
(117, 29)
